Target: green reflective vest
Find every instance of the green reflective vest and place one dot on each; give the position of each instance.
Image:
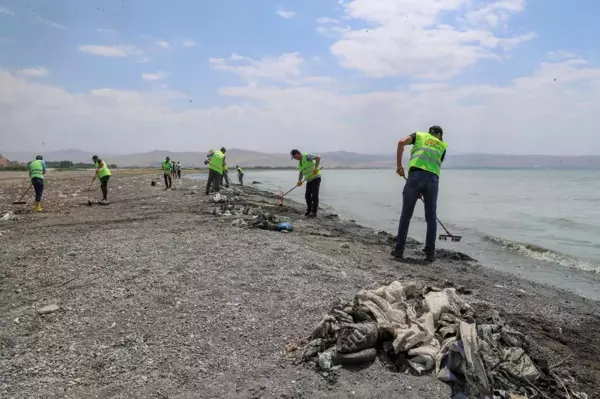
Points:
(104, 171)
(216, 162)
(36, 169)
(427, 152)
(166, 167)
(240, 171)
(307, 167)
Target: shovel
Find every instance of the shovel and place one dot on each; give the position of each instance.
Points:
(442, 237)
(20, 201)
(281, 195)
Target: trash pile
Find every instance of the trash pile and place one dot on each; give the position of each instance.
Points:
(426, 329)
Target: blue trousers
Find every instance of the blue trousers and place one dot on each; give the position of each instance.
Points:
(423, 183)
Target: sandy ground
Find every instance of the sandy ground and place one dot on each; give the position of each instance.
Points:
(158, 298)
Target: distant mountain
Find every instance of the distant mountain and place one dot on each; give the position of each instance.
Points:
(335, 159)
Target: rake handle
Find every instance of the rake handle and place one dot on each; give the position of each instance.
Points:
(436, 218)
(25, 193)
(296, 186)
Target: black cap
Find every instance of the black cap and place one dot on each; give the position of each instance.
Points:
(294, 152)
(223, 149)
(39, 158)
(435, 129)
(95, 157)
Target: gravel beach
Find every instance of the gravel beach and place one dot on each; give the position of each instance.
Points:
(153, 296)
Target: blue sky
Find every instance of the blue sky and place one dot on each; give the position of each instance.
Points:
(343, 83)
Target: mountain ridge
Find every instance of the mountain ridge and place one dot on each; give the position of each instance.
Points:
(333, 159)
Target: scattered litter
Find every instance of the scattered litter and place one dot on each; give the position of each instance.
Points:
(345, 245)
(153, 183)
(256, 182)
(239, 223)
(218, 199)
(48, 309)
(428, 330)
(8, 215)
(285, 226)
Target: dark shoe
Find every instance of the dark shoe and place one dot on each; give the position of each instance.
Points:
(307, 213)
(397, 255)
(429, 256)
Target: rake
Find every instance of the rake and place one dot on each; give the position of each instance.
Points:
(442, 237)
(281, 195)
(20, 201)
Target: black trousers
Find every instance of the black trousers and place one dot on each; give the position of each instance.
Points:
(168, 181)
(38, 186)
(179, 174)
(104, 186)
(214, 180)
(312, 195)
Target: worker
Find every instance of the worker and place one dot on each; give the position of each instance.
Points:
(178, 170)
(225, 175)
(215, 161)
(308, 165)
(103, 174)
(173, 169)
(166, 167)
(37, 170)
(426, 157)
(240, 174)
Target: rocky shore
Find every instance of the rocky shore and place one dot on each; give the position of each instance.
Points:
(165, 294)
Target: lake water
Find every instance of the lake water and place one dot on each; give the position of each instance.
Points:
(543, 225)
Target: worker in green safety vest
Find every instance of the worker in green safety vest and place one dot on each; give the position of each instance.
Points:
(166, 168)
(240, 174)
(103, 174)
(426, 157)
(225, 175)
(215, 161)
(308, 165)
(37, 170)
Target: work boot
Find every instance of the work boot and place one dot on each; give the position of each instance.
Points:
(398, 255)
(430, 256)
(307, 213)
(37, 207)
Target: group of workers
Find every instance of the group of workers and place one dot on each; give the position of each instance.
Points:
(422, 180)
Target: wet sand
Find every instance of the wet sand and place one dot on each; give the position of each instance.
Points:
(160, 298)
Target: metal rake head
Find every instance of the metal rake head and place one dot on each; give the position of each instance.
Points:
(445, 237)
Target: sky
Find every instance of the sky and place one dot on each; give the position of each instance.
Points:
(122, 76)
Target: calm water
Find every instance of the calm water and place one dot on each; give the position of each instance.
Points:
(543, 225)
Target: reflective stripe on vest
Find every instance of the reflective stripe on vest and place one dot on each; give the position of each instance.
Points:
(240, 171)
(216, 162)
(36, 169)
(104, 171)
(306, 167)
(427, 153)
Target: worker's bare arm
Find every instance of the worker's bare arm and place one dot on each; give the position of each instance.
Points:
(408, 140)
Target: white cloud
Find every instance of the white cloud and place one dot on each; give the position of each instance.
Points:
(150, 77)
(163, 43)
(410, 38)
(103, 30)
(144, 60)
(282, 68)
(531, 114)
(6, 11)
(110, 51)
(189, 43)
(562, 55)
(39, 20)
(285, 14)
(34, 72)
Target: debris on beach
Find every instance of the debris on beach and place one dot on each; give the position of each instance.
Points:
(285, 227)
(256, 182)
(48, 309)
(218, 199)
(426, 329)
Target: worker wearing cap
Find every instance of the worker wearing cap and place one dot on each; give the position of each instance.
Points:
(240, 174)
(166, 168)
(37, 170)
(103, 174)
(215, 161)
(308, 165)
(426, 157)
